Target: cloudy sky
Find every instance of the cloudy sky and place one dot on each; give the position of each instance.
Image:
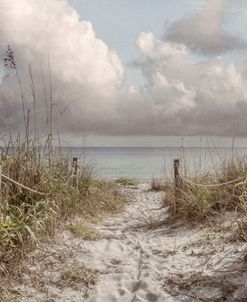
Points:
(127, 70)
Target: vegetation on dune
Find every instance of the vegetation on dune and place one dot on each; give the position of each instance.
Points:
(227, 193)
(26, 217)
(127, 181)
(72, 275)
(83, 231)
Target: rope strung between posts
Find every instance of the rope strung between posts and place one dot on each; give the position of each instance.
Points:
(212, 185)
(74, 174)
(22, 186)
(71, 176)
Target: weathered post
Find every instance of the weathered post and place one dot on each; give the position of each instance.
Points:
(176, 181)
(75, 173)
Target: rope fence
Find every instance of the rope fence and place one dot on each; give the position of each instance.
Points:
(21, 185)
(178, 177)
(213, 185)
(73, 176)
(73, 179)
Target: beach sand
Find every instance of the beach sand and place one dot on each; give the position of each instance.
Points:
(140, 255)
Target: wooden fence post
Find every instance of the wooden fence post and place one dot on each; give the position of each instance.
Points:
(75, 173)
(176, 181)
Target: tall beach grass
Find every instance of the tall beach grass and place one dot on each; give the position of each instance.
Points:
(226, 193)
(26, 218)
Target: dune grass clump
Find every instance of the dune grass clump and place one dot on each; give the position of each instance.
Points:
(197, 203)
(74, 275)
(27, 217)
(127, 181)
(83, 231)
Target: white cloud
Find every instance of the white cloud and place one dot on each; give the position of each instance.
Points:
(85, 71)
(183, 96)
(205, 30)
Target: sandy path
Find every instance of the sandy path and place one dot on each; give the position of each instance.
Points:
(139, 263)
(133, 260)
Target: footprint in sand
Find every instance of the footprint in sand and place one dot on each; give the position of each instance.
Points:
(137, 285)
(152, 297)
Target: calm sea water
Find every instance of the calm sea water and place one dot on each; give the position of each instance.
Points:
(145, 163)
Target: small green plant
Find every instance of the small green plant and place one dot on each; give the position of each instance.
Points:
(127, 181)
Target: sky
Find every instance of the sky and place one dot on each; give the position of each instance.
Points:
(126, 72)
(119, 23)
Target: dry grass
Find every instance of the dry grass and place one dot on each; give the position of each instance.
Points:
(83, 231)
(241, 230)
(26, 217)
(199, 204)
(73, 275)
(127, 181)
(196, 202)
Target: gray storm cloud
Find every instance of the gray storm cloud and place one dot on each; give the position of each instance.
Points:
(181, 96)
(86, 73)
(204, 31)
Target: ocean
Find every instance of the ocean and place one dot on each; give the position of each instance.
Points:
(146, 163)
